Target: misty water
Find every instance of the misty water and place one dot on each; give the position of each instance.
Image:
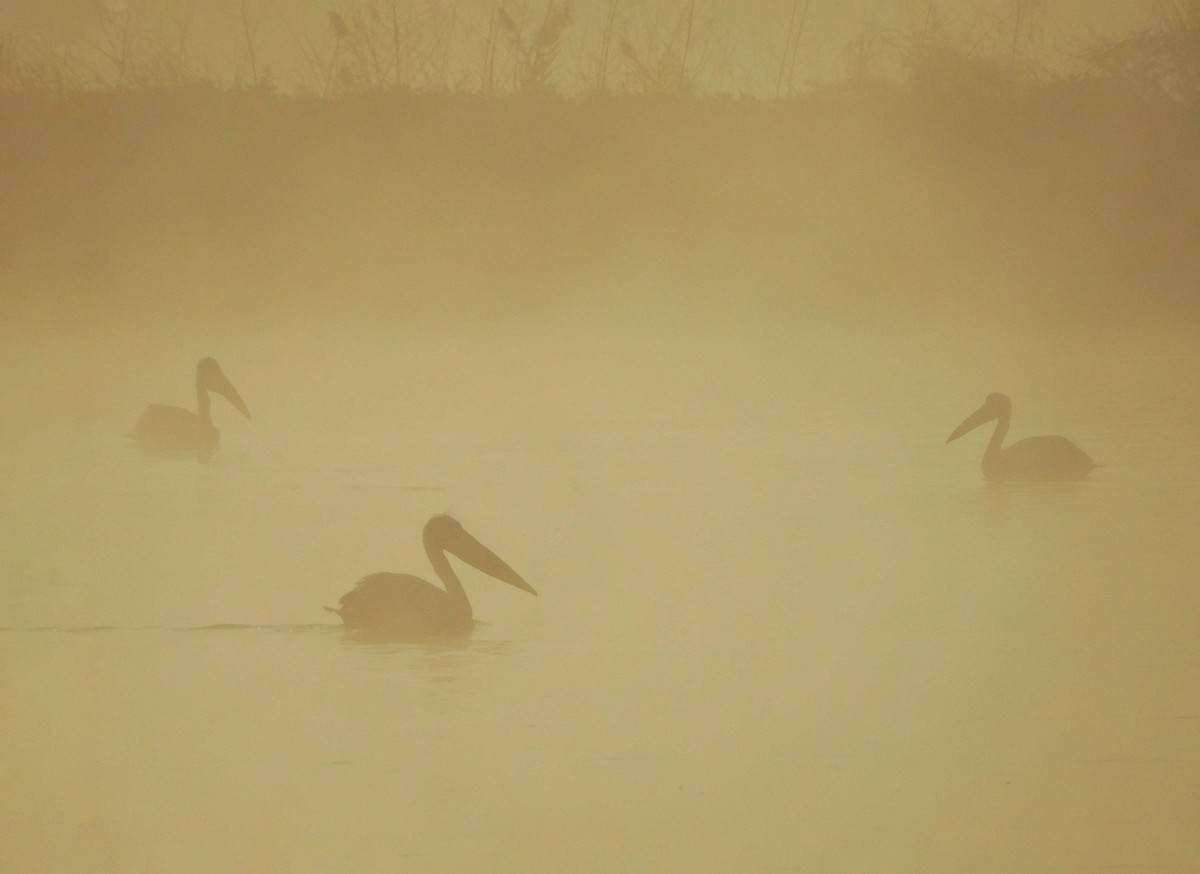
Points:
(780, 626)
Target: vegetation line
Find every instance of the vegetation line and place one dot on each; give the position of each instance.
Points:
(544, 49)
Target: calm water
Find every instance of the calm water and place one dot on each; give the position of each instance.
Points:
(781, 626)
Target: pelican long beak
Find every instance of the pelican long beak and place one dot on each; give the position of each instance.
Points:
(973, 421)
(479, 556)
(222, 386)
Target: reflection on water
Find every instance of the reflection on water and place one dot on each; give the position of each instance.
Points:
(999, 498)
(781, 626)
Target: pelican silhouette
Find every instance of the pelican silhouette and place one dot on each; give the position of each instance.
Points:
(163, 427)
(402, 606)
(1038, 459)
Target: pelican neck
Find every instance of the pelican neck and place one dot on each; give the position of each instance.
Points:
(991, 455)
(203, 404)
(445, 571)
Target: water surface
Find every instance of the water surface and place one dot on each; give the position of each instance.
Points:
(781, 626)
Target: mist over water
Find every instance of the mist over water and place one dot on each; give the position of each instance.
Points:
(780, 624)
(688, 366)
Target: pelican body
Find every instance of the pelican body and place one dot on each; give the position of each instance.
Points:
(174, 429)
(401, 606)
(1034, 459)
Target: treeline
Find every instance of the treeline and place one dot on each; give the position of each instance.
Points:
(964, 185)
(579, 50)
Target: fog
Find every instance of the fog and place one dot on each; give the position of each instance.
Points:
(687, 362)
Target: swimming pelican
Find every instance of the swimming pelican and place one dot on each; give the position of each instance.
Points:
(401, 605)
(173, 428)
(1044, 459)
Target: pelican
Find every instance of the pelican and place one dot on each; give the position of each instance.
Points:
(163, 427)
(404, 606)
(1042, 459)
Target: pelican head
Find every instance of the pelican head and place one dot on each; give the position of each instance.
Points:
(997, 406)
(445, 532)
(209, 377)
